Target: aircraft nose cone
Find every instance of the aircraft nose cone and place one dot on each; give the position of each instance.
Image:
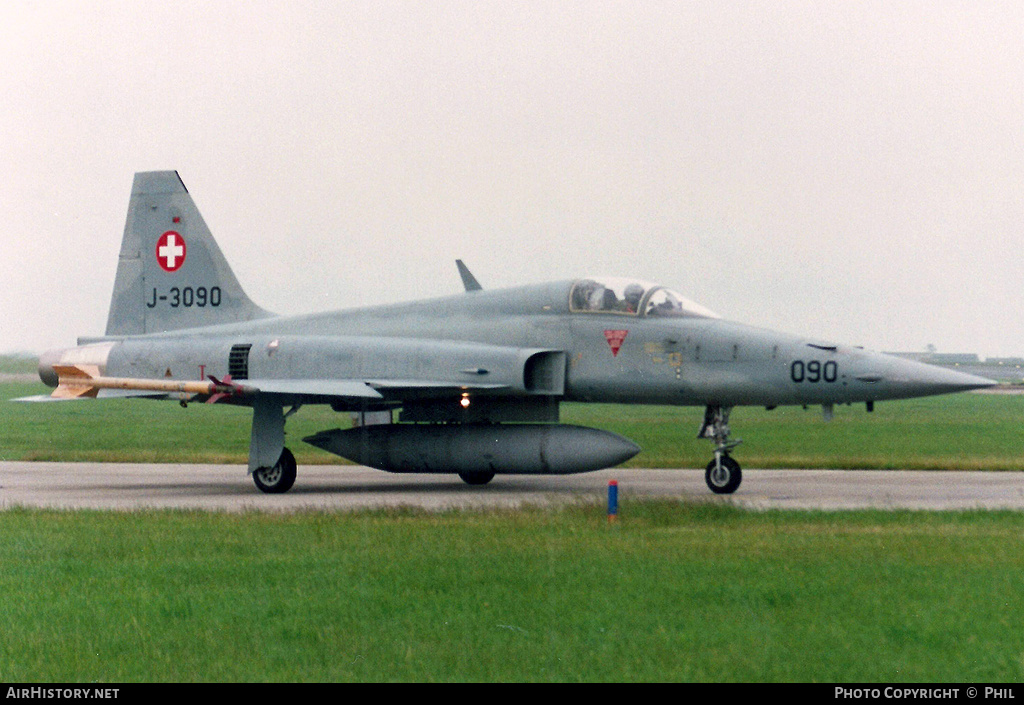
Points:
(911, 378)
(965, 382)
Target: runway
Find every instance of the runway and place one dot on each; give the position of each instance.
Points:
(228, 488)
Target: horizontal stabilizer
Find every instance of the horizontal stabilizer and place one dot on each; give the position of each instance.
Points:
(45, 397)
(100, 394)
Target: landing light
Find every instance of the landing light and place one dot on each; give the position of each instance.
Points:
(465, 401)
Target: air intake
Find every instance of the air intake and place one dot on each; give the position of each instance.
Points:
(238, 361)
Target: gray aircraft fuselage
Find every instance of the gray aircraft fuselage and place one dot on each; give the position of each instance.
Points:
(693, 361)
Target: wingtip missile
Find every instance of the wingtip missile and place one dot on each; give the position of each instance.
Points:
(78, 381)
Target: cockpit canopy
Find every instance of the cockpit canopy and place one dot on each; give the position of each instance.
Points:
(631, 297)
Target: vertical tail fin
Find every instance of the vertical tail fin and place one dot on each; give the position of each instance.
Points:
(171, 273)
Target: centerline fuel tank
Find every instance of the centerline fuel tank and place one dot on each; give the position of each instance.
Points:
(523, 449)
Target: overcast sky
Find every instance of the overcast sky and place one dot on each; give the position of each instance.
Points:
(852, 171)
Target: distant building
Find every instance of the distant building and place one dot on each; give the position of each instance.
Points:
(1008, 361)
(936, 358)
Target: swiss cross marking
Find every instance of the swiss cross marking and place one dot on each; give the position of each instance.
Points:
(170, 251)
(615, 339)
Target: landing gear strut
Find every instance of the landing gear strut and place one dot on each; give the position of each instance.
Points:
(723, 474)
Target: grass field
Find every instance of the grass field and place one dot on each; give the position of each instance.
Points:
(670, 593)
(10, 364)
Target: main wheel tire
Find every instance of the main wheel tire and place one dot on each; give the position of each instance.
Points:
(476, 478)
(726, 479)
(279, 478)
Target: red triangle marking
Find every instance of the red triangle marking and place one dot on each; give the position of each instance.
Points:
(615, 339)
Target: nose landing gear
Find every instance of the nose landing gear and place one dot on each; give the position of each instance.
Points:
(723, 474)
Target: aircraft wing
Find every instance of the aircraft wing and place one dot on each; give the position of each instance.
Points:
(343, 388)
(359, 389)
(447, 370)
(396, 385)
(297, 390)
(354, 392)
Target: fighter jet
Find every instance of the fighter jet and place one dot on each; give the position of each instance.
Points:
(468, 384)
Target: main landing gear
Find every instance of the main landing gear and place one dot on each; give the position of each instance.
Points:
(279, 478)
(723, 474)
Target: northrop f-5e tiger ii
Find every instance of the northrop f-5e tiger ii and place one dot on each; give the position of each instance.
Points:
(468, 384)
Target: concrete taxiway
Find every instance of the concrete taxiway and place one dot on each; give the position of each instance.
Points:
(228, 488)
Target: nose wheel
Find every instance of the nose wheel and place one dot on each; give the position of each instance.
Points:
(723, 474)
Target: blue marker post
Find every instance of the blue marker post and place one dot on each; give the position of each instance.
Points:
(613, 500)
